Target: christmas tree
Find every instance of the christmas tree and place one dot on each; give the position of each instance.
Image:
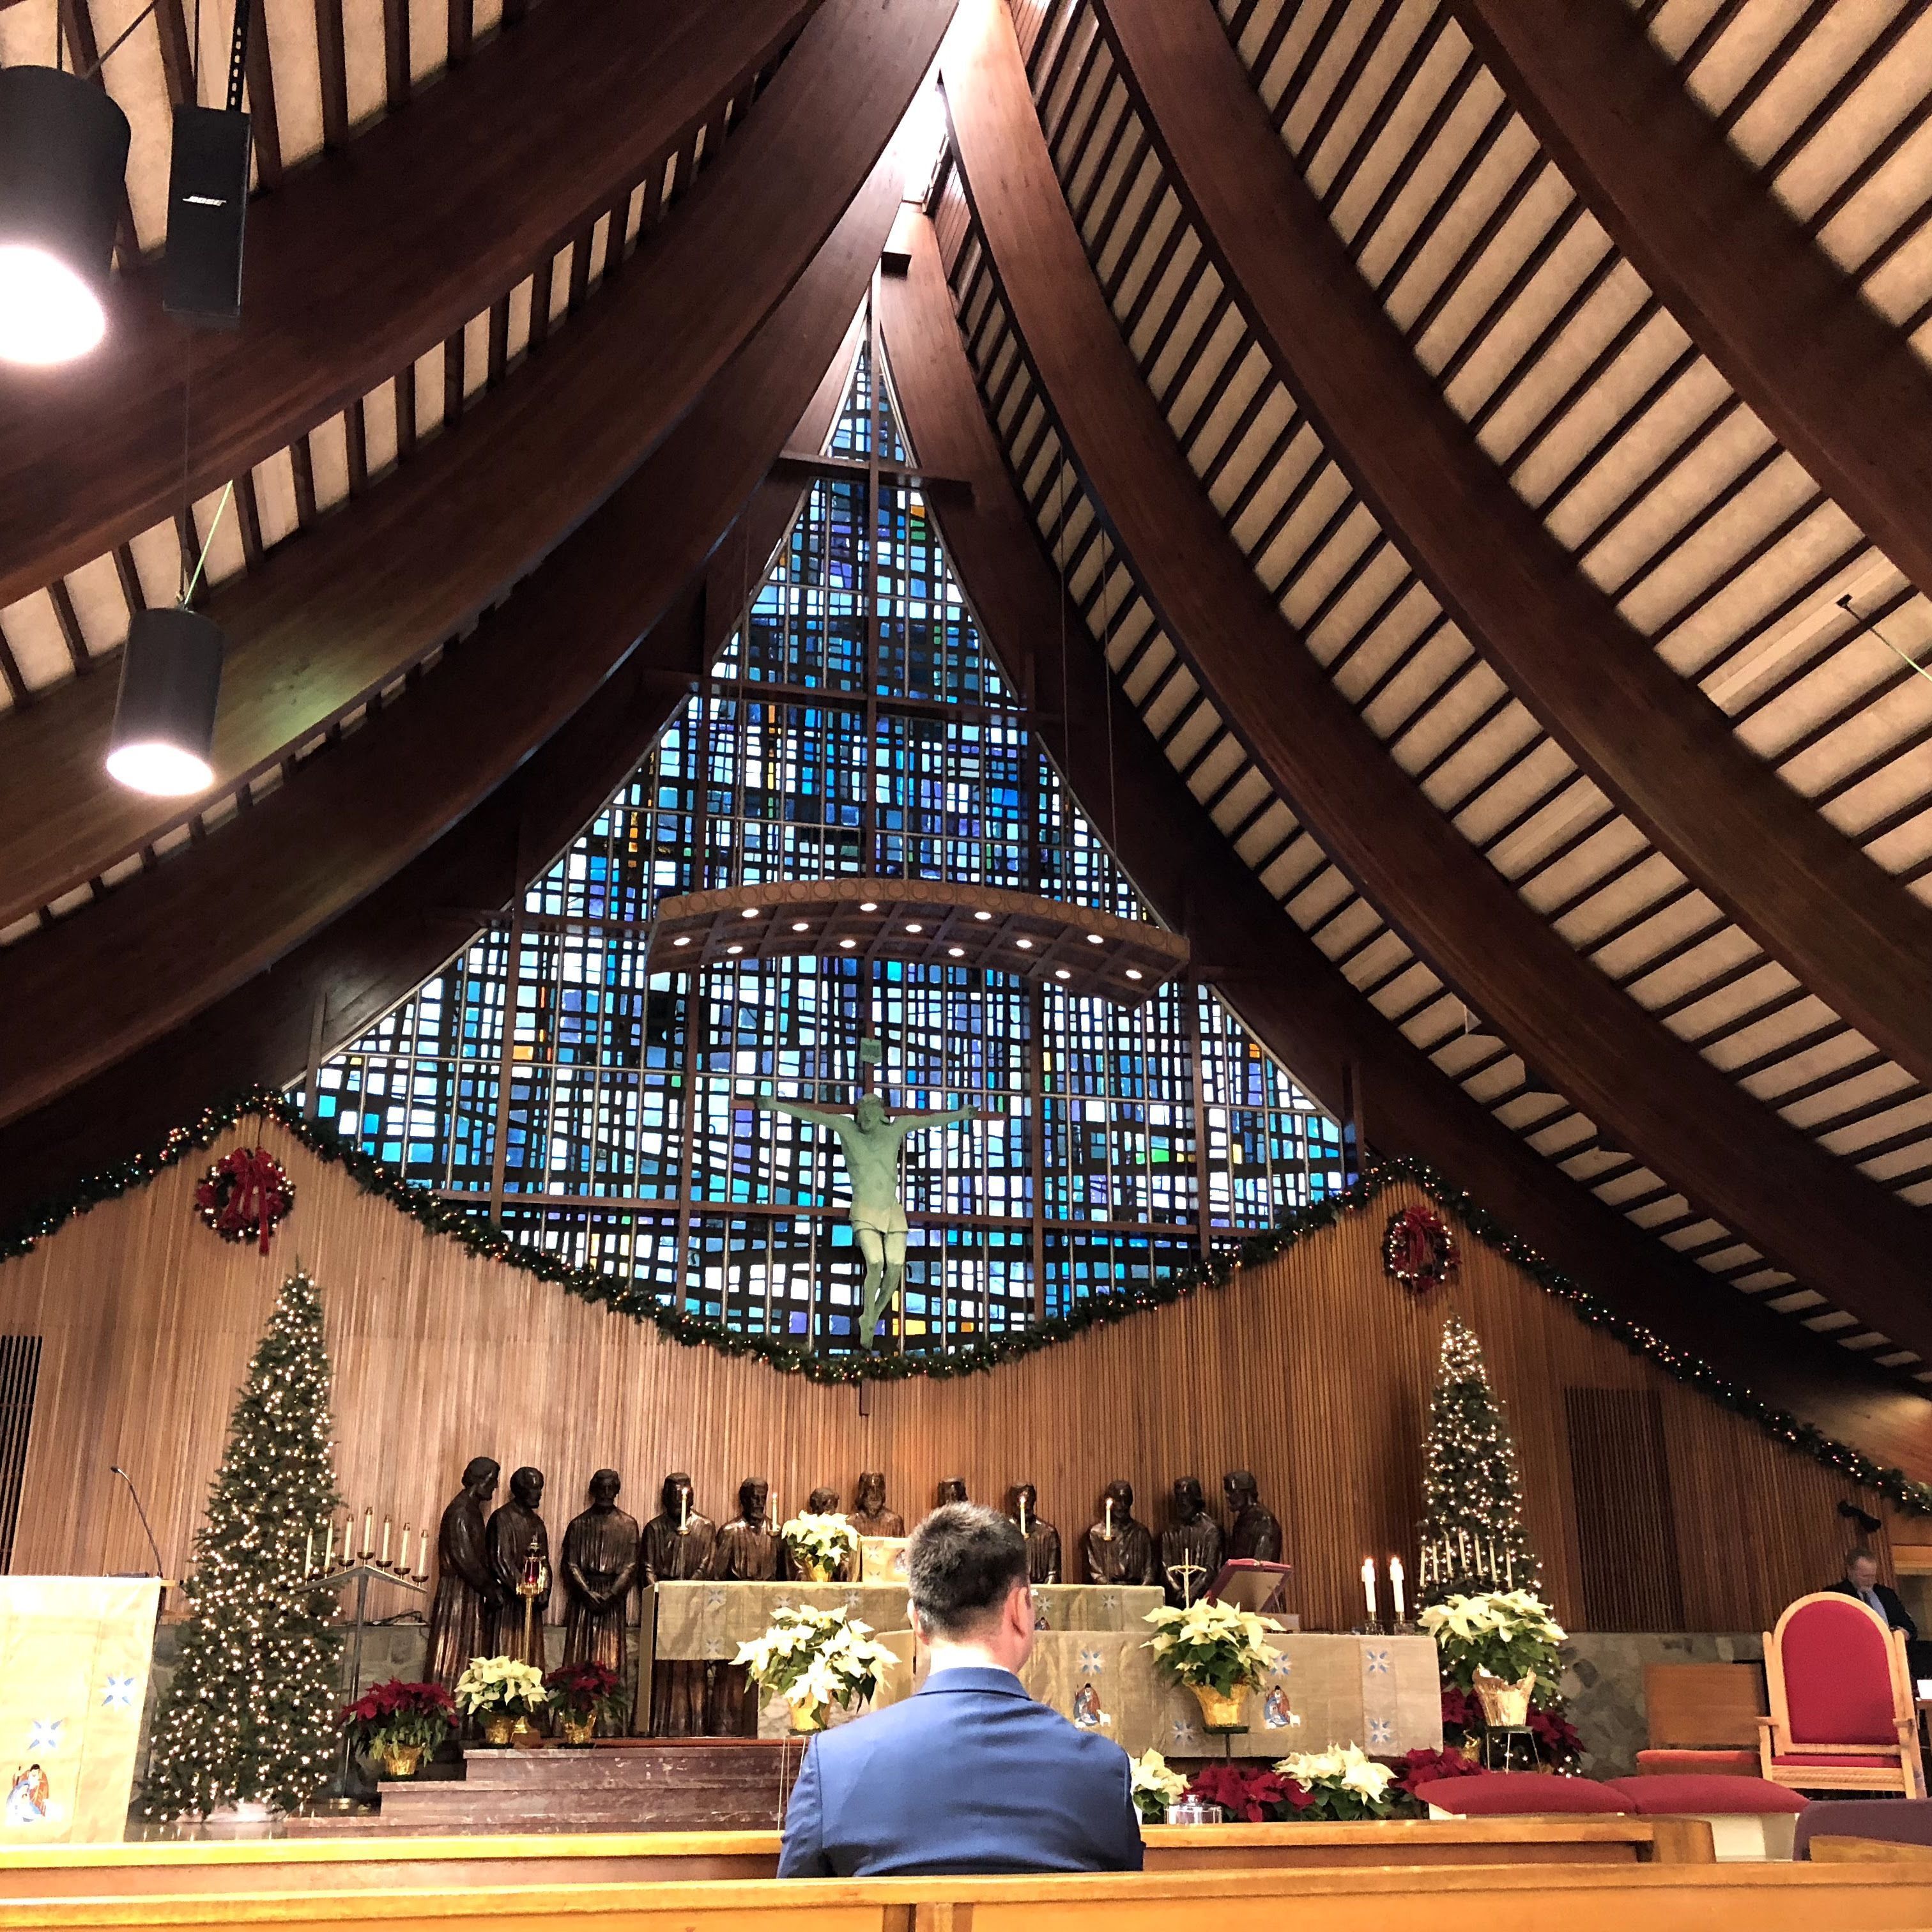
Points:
(1472, 1535)
(249, 1716)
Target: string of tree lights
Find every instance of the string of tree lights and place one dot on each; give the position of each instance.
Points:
(601, 1111)
(1472, 1535)
(248, 1716)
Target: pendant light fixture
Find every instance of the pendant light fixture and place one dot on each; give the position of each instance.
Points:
(164, 716)
(63, 164)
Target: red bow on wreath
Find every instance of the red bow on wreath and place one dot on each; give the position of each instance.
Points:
(1418, 1249)
(244, 1194)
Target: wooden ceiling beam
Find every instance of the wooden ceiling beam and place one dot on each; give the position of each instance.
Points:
(361, 812)
(1834, 381)
(1673, 760)
(1299, 1006)
(369, 257)
(376, 585)
(1842, 1234)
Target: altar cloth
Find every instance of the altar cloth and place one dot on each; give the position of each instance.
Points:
(1382, 1693)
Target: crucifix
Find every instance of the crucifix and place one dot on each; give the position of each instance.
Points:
(1182, 1575)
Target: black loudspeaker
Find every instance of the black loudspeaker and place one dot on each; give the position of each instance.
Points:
(208, 208)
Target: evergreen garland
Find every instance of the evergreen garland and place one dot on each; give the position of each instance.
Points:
(1472, 1496)
(482, 1237)
(248, 1716)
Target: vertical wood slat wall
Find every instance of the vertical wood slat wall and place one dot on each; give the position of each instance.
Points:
(1314, 1371)
(1632, 1576)
(19, 1377)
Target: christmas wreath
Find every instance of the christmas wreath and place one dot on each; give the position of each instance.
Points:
(244, 1194)
(1418, 1249)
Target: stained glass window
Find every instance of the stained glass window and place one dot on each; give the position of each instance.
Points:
(857, 725)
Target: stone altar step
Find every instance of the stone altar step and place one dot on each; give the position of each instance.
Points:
(659, 1784)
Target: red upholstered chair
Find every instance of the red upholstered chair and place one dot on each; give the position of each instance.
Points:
(1842, 1718)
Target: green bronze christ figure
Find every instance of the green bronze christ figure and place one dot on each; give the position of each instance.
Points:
(872, 1138)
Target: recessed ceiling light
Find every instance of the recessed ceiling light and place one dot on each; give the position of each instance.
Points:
(955, 952)
(1133, 972)
(685, 941)
(846, 945)
(1024, 945)
(734, 949)
(801, 925)
(869, 905)
(1094, 939)
(982, 915)
(913, 926)
(1061, 972)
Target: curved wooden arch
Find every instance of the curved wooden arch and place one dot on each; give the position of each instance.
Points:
(1295, 999)
(1835, 381)
(357, 602)
(1814, 1214)
(1856, 937)
(202, 924)
(365, 260)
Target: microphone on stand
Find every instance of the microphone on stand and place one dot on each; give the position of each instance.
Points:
(114, 1468)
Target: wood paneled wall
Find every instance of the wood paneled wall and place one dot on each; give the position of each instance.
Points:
(1314, 1371)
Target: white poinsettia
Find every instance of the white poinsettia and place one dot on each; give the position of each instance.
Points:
(822, 1542)
(499, 1684)
(1345, 1783)
(1212, 1646)
(1154, 1785)
(816, 1657)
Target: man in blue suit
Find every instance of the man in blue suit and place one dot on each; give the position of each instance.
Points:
(969, 1774)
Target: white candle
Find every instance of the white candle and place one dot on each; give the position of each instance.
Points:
(403, 1552)
(1462, 1547)
(1395, 1586)
(422, 1555)
(385, 1542)
(368, 1531)
(1509, 1568)
(1108, 1532)
(308, 1553)
(328, 1548)
(683, 1511)
(1493, 1572)
(1023, 1521)
(1368, 1585)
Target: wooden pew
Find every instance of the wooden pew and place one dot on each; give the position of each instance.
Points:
(1470, 1898)
(382, 1863)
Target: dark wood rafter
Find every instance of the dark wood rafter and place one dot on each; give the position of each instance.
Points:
(364, 262)
(355, 817)
(1669, 756)
(385, 579)
(1834, 381)
(1816, 1215)
(1295, 1001)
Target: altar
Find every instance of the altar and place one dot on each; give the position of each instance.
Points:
(1382, 1693)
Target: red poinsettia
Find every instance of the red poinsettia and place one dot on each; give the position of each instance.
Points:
(579, 1690)
(1461, 1715)
(409, 1713)
(1556, 1737)
(1253, 1793)
(1426, 1767)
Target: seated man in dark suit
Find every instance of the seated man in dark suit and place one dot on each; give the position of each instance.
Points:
(969, 1774)
(1860, 1580)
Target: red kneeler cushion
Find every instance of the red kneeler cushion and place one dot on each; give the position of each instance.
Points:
(1664, 1761)
(1519, 1794)
(1650, 1796)
(1837, 1680)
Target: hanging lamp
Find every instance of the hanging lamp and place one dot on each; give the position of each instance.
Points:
(163, 732)
(63, 164)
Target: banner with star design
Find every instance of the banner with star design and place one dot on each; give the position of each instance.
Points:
(74, 1652)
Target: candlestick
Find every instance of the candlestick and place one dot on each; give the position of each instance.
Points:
(1509, 1567)
(368, 1531)
(422, 1555)
(403, 1552)
(328, 1548)
(1462, 1547)
(1395, 1586)
(308, 1553)
(1107, 1528)
(1368, 1585)
(683, 1511)
(1023, 1521)
(385, 1542)
(1494, 1572)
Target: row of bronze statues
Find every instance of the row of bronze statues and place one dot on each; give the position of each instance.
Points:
(484, 1556)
